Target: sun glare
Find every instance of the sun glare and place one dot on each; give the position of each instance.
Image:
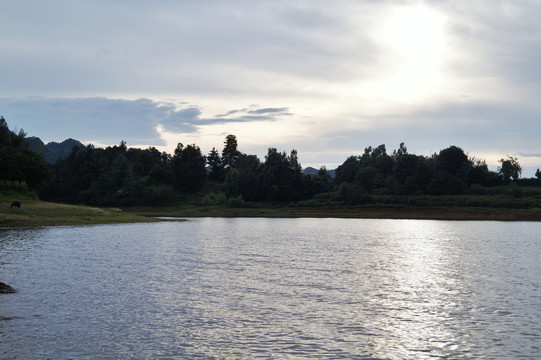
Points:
(414, 52)
(414, 30)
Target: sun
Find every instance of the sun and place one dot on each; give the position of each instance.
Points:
(415, 30)
(413, 53)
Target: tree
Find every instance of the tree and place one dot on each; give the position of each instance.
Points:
(382, 162)
(5, 133)
(215, 165)
(366, 177)
(402, 150)
(231, 184)
(404, 167)
(188, 166)
(230, 154)
(509, 169)
(454, 161)
(322, 181)
(451, 172)
(346, 172)
(280, 178)
(249, 167)
(353, 194)
(17, 162)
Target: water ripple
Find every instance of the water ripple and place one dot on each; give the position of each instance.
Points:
(273, 288)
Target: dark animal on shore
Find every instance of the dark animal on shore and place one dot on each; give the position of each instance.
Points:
(6, 289)
(17, 204)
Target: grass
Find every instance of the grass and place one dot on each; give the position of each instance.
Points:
(490, 204)
(40, 213)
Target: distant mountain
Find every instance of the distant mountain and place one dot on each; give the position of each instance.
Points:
(313, 171)
(52, 151)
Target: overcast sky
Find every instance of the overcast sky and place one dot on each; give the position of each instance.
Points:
(327, 78)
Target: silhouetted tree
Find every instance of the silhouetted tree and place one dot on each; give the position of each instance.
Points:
(17, 162)
(280, 178)
(215, 165)
(188, 167)
(353, 194)
(232, 183)
(451, 171)
(249, 167)
(346, 172)
(230, 154)
(509, 169)
(367, 177)
(321, 182)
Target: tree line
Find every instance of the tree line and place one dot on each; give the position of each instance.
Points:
(19, 166)
(118, 175)
(131, 176)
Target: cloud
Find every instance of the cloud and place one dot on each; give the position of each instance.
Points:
(327, 70)
(269, 111)
(499, 39)
(170, 47)
(192, 116)
(108, 121)
(533, 155)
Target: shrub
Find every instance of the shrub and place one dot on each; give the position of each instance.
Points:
(12, 187)
(236, 202)
(354, 194)
(213, 199)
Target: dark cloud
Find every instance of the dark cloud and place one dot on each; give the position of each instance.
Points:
(252, 114)
(109, 121)
(532, 155)
(282, 111)
(93, 119)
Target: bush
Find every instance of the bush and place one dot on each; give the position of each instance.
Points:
(354, 194)
(12, 187)
(328, 196)
(213, 199)
(236, 202)
(515, 191)
(477, 189)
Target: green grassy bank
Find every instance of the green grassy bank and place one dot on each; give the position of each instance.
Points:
(39, 213)
(499, 205)
(489, 204)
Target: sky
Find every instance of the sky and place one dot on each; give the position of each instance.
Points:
(325, 78)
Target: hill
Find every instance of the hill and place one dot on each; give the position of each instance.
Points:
(313, 171)
(52, 151)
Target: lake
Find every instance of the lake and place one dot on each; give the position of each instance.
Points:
(241, 288)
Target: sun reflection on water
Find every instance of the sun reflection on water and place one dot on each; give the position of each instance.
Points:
(412, 292)
(276, 288)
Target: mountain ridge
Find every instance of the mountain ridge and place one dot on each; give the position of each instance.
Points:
(52, 151)
(313, 171)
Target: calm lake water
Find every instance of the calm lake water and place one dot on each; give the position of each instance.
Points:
(273, 289)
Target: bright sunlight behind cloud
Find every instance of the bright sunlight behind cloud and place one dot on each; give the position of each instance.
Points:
(360, 73)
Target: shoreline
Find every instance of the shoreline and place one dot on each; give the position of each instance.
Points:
(35, 213)
(372, 212)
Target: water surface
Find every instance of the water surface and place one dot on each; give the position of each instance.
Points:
(273, 288)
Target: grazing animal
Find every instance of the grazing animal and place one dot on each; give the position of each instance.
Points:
(17, 204)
